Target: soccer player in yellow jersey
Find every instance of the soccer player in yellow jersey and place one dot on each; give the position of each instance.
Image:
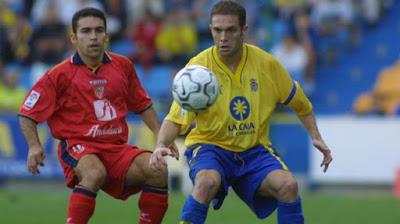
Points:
(229, 144)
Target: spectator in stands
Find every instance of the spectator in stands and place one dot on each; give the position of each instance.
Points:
(20, 35)
(334, 20)
(64, 9)
(177, 39)
(370, 10)
(294, 59)
(11, 95)
(6, 53)
(117, 18)
(200, 12)
(49, 42)
(137, 9)
(385, 96)
(49, 38)
(144, 38)
(17, 6)
(253, 10)
(366, 103)
(284, 13)
(387, 90)
(7, 19)
(306, 37)
(183, 4)
(287, 8)
(266, 19)
(15, 33)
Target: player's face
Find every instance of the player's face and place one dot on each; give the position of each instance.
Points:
(90, 37)
(227, 34)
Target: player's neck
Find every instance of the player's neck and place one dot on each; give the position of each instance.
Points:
(232, 61)
(91, 62)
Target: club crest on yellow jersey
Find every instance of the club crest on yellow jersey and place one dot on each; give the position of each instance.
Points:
(253, 85)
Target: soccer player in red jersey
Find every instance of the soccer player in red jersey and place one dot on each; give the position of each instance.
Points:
(85, 100)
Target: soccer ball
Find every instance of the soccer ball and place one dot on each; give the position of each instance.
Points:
(195, 88)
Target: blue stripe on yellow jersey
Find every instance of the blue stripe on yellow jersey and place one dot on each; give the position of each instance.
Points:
(240, 117)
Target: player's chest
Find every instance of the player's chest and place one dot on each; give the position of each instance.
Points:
(100, 85)
(254, 91)
(250, 85)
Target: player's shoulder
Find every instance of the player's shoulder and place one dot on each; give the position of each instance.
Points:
(118, 58)
(258, 53)
(202, 58)
(206, 52)
(61, 73)
(63, 67)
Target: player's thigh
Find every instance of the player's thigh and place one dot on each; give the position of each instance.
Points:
(140, 173)
(275, 181)
(90, 168)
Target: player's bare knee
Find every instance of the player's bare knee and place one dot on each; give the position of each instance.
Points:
(94, 178)
(288, 190)
(159, 178)
(206, 186)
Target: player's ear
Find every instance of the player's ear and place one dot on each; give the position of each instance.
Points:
(107, 40)
(245, 28)
(72, 37)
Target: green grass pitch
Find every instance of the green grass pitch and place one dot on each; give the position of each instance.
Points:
(49, 206)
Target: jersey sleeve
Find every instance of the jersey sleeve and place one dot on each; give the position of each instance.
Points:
(40, 102)
(290, 91)
(138, 99)
(197, 61)
(192, 61)
(180, 116)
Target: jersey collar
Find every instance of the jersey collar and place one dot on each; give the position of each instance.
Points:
(77, 60)
(236, 75)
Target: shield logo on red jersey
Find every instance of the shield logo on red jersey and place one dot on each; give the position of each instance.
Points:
(99, 91)
(78, 148)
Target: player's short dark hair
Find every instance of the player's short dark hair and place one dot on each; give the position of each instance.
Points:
(228, 7)
(87, 12)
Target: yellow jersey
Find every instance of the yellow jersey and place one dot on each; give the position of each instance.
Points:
(240, 117)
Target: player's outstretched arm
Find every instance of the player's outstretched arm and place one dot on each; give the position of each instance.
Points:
(150, 118)
(165, 145)
(311, 125)
(36, 154)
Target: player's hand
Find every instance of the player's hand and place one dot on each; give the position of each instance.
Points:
(157, 161)
(323, 148)
(36, 156)
(174, 151)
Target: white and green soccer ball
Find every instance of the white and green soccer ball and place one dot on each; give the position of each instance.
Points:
(195, 88)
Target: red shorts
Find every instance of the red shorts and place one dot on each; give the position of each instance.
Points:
(116, 158)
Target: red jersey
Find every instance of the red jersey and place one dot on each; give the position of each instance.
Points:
(81, 104)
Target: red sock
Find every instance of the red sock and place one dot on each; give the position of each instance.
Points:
(81, 206)
(153, 204)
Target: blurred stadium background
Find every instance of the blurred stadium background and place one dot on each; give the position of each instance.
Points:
(346, 53)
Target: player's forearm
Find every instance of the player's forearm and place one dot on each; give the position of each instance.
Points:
(168, 133)
(150, 118)
(310, 124)
(29, 129)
